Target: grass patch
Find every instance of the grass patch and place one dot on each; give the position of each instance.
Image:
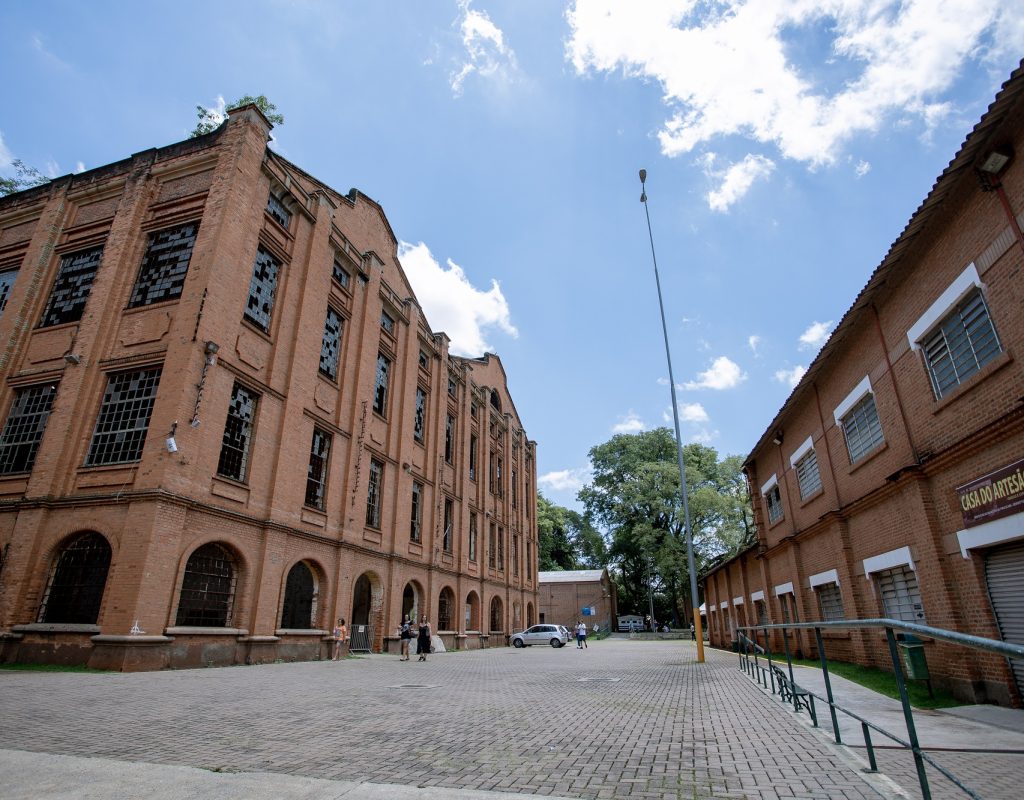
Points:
(878, 680)
(52, 668)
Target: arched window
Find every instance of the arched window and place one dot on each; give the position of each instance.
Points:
(445, 607)
(208, 588)
(472, 612)
(496, 624)
(76, 585)
(299, 598)
(495, 401)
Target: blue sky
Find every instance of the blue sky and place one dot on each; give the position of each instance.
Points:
(786, 144)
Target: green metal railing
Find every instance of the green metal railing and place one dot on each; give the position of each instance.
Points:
(772, 676)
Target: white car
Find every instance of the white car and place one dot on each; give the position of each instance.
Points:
(554, 635)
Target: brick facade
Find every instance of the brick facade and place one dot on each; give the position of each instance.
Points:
(286, 529)
(562, 596)
(895, 507)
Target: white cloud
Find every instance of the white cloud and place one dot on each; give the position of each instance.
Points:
(704, 436)
(452, 304)
(566, 480)
(726, 69)
(217, 112)
(753, 341)
(693, 412)
(487, 54)
(791, 377)
(722, 374)
(735, 182)
(79, 167)
(862, 168)
(815, 336)
(631, 423)
(6, 156)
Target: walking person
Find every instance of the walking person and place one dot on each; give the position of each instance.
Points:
(339, 634)
(581, 635)
(405, 635)
(693, 632)
(423, 639)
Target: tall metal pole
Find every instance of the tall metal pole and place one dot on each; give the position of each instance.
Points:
(679, 439)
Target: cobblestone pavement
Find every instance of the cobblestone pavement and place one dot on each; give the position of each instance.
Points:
(622, 719)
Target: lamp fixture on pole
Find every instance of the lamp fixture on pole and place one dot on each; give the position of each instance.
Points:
(679, 440)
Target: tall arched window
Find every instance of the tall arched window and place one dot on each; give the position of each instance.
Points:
(472, 612)
(299, 598)
(75, 589)
(208, 588)
(496, 623)
(445, 608)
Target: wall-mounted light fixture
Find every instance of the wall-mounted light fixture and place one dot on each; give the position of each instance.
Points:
(73, 358)
(211, 353)
(777, 437)
(172, 446)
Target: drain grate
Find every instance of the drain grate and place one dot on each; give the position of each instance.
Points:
(412, 686)
(598, 680)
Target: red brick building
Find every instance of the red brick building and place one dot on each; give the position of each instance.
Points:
(227, 422)
(890, 482)
(567, 596)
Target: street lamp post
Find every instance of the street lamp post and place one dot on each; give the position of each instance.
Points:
(679, 439)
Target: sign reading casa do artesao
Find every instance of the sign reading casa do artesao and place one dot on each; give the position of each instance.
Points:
(992, 496)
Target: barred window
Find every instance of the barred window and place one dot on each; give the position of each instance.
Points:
(449, 438)
(901, 598)
(234, 450)
(207, 588)
(773, 499)
(330, 347)
(807, 474)
(262, 290)
(299, 607)
(445, 606)
(515, 555)
(501, 548)
(278, 212)
(416, 514)
(75, 589)
(419, 418)
(472, 457)
(24, 428)
(71, 287)
(316, 475)
(380, 388)
(961, 345)
(446, 540)
(386, 322)
(6, 285)
(164, 266)
(472, 537)
(340, 274)
(789, 608)
(830, 601)
(514, 493)
(373, 493)
(862, 428)
(492, 549)
(124, 417)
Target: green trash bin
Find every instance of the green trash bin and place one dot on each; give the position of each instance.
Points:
(915, 664)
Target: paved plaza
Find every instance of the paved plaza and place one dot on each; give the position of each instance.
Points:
(622, 719)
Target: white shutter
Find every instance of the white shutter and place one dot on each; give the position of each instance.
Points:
(901, 598)
(1004, 573)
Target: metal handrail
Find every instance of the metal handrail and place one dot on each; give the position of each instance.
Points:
(890, 626)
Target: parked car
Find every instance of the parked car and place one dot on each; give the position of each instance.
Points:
(554, 635)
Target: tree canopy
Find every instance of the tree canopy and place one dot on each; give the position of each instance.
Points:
(634, 496)
(25, 177)
(209, 119)
(566, 539)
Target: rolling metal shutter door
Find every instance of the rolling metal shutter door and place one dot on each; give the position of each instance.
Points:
(1004, 573)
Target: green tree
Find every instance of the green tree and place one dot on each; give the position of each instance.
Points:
(566, 539)
(25, 177)
(209, 119)
(635, 496)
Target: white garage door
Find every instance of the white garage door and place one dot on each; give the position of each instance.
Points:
(1004, 572)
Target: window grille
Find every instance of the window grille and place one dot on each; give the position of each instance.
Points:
(416, 514)
(901, 598)
(234, 450)
(962, 344)
(278, 212)
(774, 502)
(124, 417)
(445, 603)
(340, 274)
(472, 537)
(453, 387)
(380, 387)
(761, 612)
(6, 285)
(164, 266)
(862, 428)
(807, 474)
(299, 599)
(472, 457)
(492, 550)
(207, 589)
(386, 322)
(515, 555)
(830, 600)
(75, 590)
(71, 287)
(419, 418)
(446, 540)
(24, 428)
(496, 615)
(373, 493)
(789, 609)
(501, 548)
(262, 289)
(316, 476)
(330, 347)
(449, 438)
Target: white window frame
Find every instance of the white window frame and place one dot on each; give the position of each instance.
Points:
(854, 397)
(893, 558)
(961, 286)
(821, 578)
